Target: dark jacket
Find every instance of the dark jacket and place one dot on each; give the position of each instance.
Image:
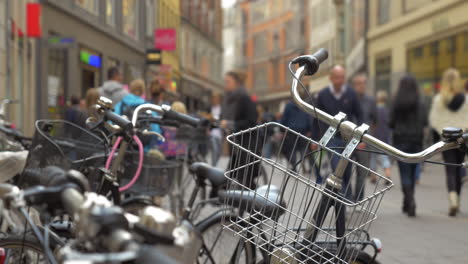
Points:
(408, 128)
(296, 119)
(381, 129)
(74, 115)
(369, 109)
(240, 109)
(348, 104)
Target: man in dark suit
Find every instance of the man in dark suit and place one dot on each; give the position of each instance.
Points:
(334, 98)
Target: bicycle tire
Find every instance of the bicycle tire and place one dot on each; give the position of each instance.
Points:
(24, 244)
(214, 240)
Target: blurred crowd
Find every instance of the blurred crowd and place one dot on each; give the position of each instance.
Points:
(404, 120)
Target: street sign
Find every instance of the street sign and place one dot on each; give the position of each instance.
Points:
(165, 39)
(153, 56)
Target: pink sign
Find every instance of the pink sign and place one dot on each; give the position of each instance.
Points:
(165, 39)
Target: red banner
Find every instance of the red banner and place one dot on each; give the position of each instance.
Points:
(33, 20)
(165, 39)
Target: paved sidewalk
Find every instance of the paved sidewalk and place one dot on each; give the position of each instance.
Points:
(431, 237)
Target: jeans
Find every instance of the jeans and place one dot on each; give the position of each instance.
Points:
(339, 143)
(268, 149)
(362, 158)
(408, 173)
(216, 148)
(454, 174)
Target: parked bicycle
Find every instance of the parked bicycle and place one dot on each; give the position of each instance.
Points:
(301, 221)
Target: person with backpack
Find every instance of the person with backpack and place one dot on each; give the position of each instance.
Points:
(113, 88)
(130, 102)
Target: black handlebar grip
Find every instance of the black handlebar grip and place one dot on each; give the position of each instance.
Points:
(321, 55)
(311, 62)
(182, 118)
(122, 122)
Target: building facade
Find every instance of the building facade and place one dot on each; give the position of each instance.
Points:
(422, 37)
(201, 52)
(233, 32)
(275, 32)
(17, 64)
(81, 40)
(169, 72)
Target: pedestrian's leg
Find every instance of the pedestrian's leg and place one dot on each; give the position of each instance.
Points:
(450, 156)
(412, 189)
(361, 174)
(405, 171)
(213, 150)
(418, 173)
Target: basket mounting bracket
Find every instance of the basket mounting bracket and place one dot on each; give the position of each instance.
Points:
(332, 129)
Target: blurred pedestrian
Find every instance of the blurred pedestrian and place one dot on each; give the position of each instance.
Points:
(91, 98)
(299, 121)
(130, 102)
(157, 92)
(74, 114)
(383, 133)
(239, 112)
(408, 119)
(216, 134)
(171, 147)
(334, 98)
(113, 88)
(268, 117)
(369, 113)
(450, 109)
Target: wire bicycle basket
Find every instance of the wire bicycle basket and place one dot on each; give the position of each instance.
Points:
(286, 219)
(157, 176)
(65, 145)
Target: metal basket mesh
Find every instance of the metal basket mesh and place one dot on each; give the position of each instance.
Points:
(157, 176)
(282, 219)
(66, 145)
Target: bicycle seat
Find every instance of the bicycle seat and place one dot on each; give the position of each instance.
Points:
(204, 171)
(266, 200)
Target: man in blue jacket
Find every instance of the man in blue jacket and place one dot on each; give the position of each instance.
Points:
(301, 122)
(334, 98)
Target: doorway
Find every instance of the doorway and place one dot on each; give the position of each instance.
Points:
(88, 80)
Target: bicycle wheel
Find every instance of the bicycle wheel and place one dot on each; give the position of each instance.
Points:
(24, 250)
(221, 247)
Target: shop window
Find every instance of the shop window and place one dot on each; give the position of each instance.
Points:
(435, 48)
(383, 70)
(383, 12)
(465, 46)
(451, 45)
(418, 52)
(260, 44)
(110, 12)
(91, 6)
(130, 18)
(260, 78)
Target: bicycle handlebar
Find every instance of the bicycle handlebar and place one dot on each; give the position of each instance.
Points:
(308, 66)
(166, 112)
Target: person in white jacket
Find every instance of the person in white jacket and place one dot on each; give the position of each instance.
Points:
(450, 109)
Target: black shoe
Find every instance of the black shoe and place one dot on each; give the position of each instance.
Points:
(411, 203)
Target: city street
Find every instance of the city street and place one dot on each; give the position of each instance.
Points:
(431, 237)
